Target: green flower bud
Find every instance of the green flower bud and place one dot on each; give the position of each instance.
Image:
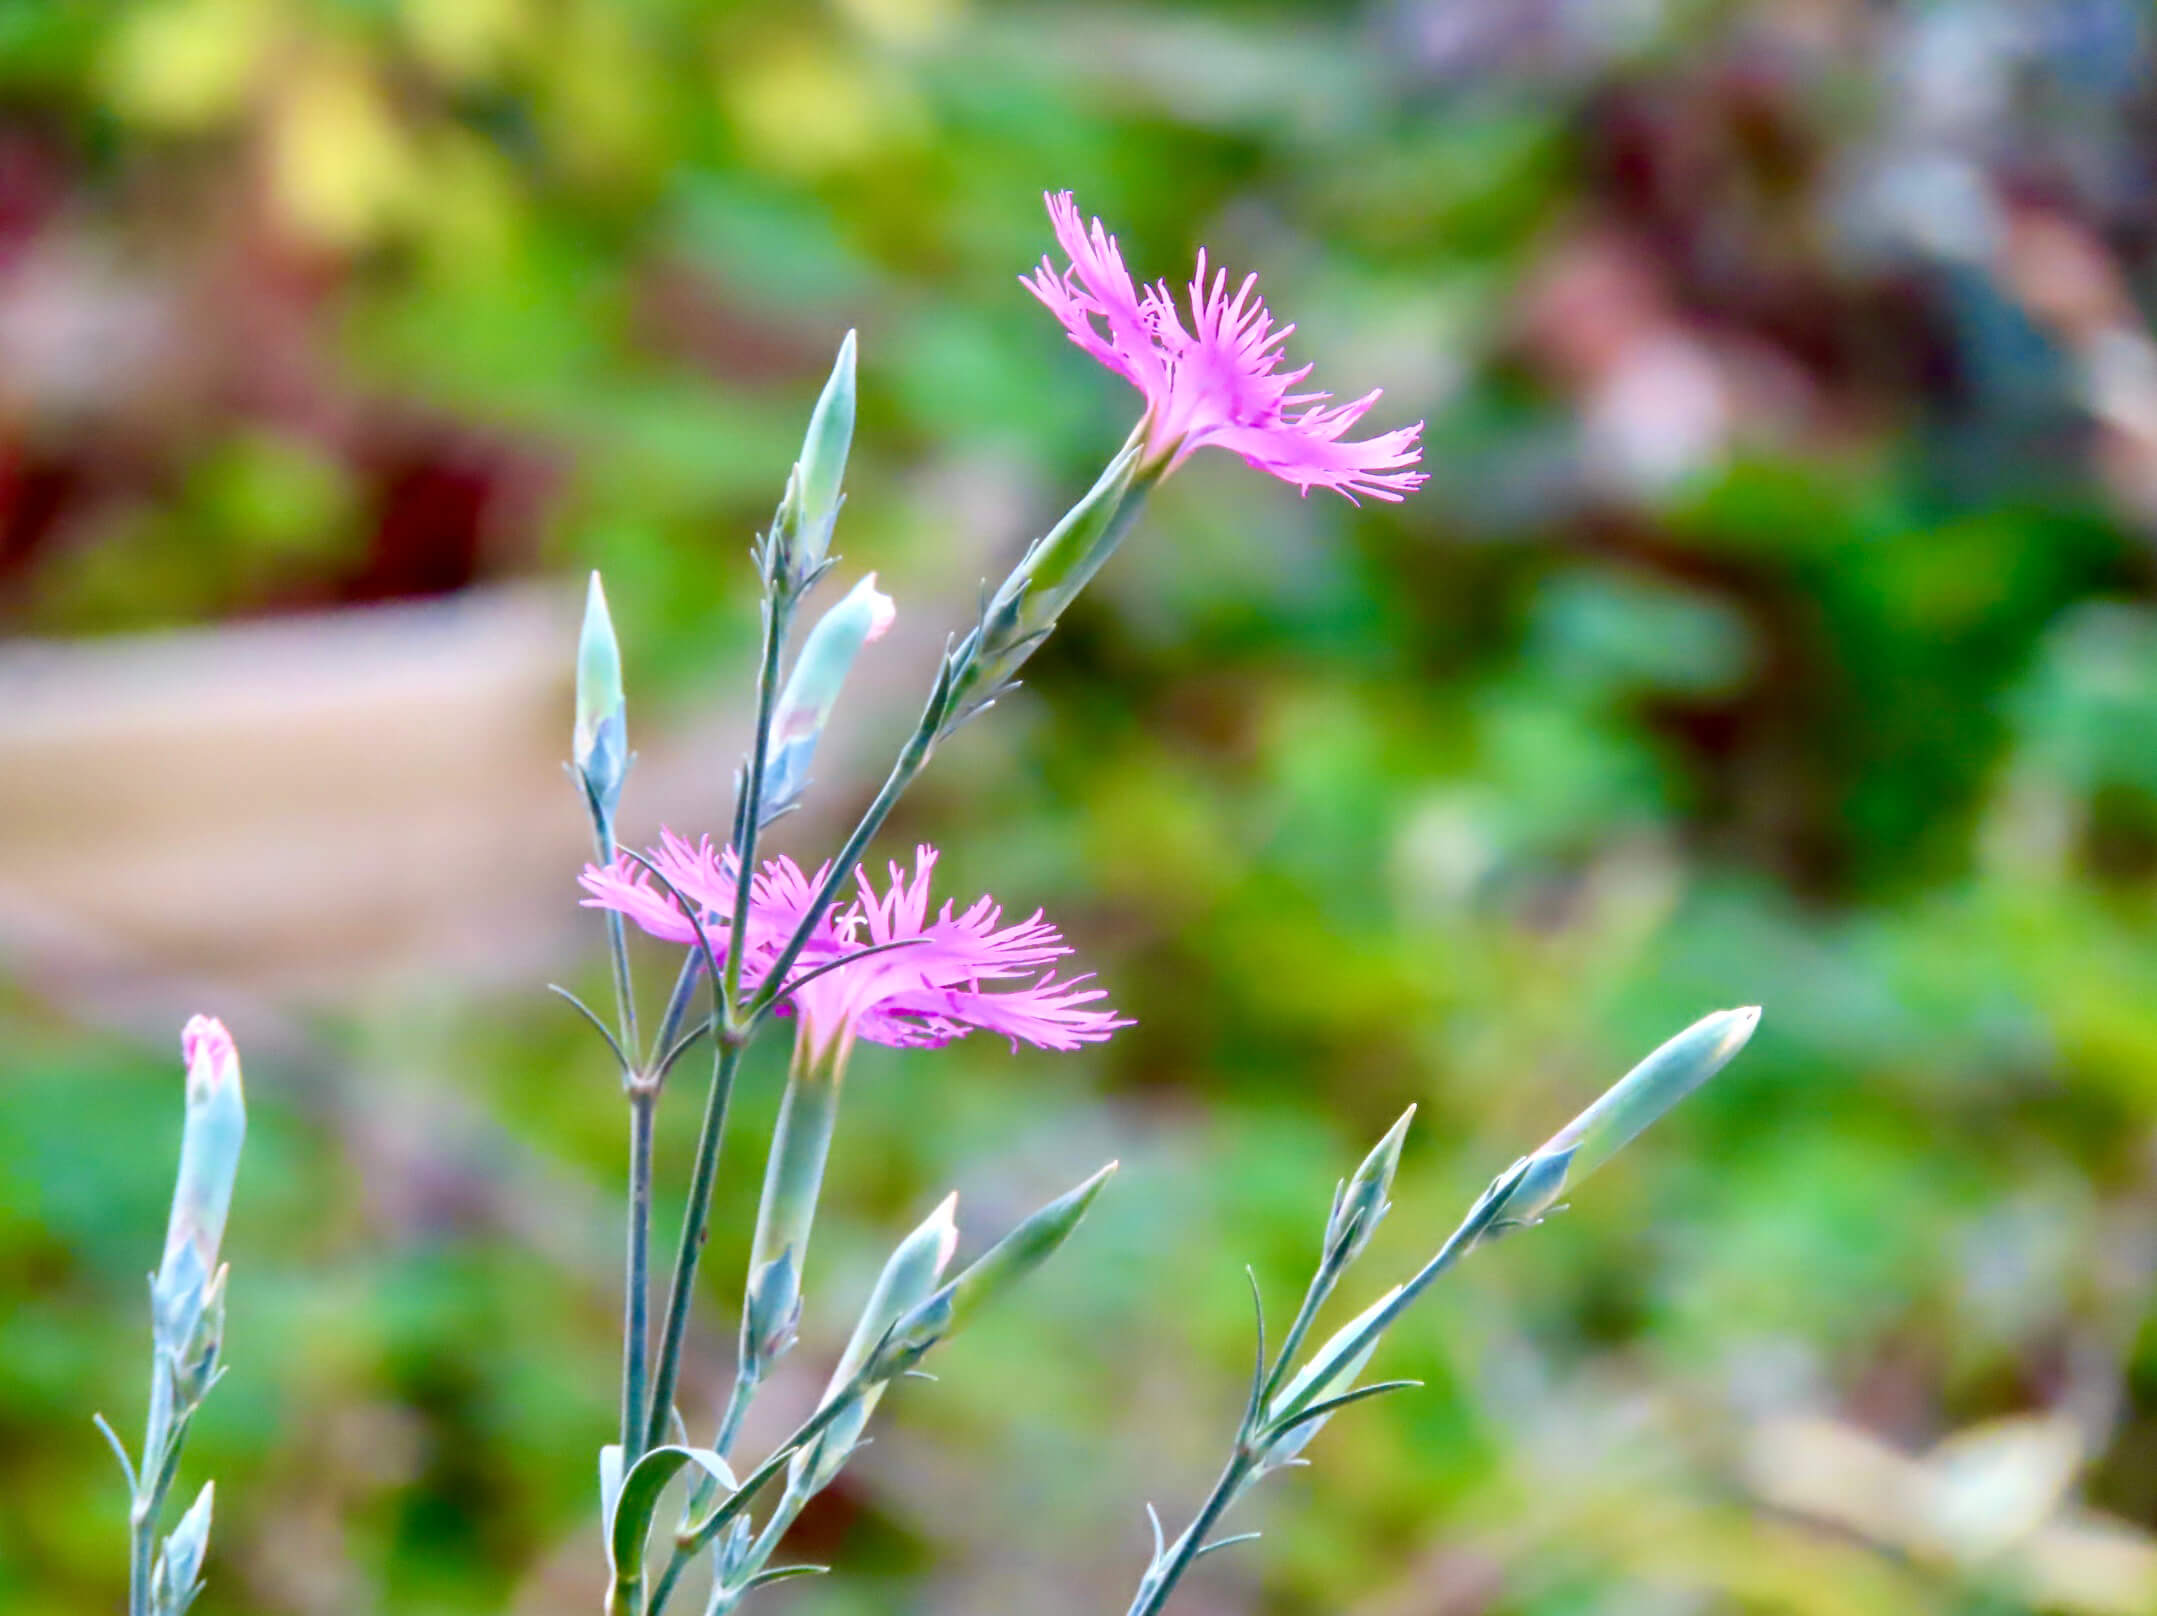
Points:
(995, 1271)
(1049, 576)
(1638, 1098)
(908, 1279)
(1364, 1202)
(811, 507)
(179, 1563)
(599, 745)
(1329, 1372)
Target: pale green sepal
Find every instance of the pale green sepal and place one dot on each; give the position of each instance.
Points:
(1629, 1105)
(786, 1212)
(637, 1499)
(176, 1580)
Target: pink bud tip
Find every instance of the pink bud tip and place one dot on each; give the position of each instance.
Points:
(883, 611)
(212, 1058)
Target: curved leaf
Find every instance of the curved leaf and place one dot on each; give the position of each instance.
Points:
(638, 1497)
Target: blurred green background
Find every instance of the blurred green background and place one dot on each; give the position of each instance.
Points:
(1777, 627)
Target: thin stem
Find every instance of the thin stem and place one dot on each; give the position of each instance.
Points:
(1481, 1218)
(692, 1540)
(141, 1535)
(912, 758)
(737, 1408)
(663, 1589)
(1161, 1577)
(696, 1223)
(636, 1305)
(805, 1433)
(1251, 1446)
(783, 1516)
(161, 1440)
(625, 1002)
(747, 1379)
(670, 1038)
(1314, 1298)
(778, 617)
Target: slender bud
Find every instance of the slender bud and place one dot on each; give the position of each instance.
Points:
(1659, 1082)
(179, 1564)
(908, 1278)
(812, 689)
(1364, 1202)
(600, 742)
(995, 1271)
(1049, 576)
(812, 500)
(1329, 1372)
(210, 1143)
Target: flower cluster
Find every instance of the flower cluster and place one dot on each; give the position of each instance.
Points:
(1217, 380)
(921, 980)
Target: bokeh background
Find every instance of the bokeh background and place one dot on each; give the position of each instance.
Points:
(1779, 626)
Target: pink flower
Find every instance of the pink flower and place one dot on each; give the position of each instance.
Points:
(922, 995)
(1217, 380)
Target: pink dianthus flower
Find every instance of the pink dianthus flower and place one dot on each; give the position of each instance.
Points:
(1218, 379)
(922, 995)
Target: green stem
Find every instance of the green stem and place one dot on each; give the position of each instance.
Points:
(696, 1224)
(778, 617)
(1314, 1298)
(692, 1540)
(1161, 1578)
(697, 1537)
(1251, 1444)
(912, 758)
(1482, 1216)
(746, 1381)
(636, 1304)
(783, 1516)
(625, 1003)
(161, 1440)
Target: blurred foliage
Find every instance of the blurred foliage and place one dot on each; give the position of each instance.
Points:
(1778, 627)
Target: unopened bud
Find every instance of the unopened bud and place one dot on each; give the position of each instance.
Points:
(1364, 1202)
(600, 742)
(1049, 576)
(1659, 1082)
(812, 690)
(771, 1313)
(907, 1280)
(210, 1142)
(179, 1564)
(995, 1271)
(1330, 1372)
(811, 507)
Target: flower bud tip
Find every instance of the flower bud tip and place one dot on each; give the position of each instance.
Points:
(883, 611)
(212, 1058)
